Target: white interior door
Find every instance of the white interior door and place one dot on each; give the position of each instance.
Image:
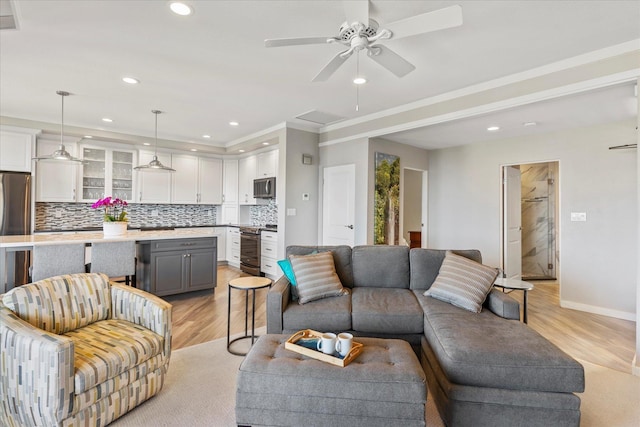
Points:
(512, 223)
(338, 199)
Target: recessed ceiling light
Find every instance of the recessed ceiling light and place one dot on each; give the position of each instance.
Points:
(359, 80)
(146, 143)
(193, 149)
(265, 143)
(130, 80)
(241, 151)
(107, 119)
(233, 123)
(529, 123)
(88, 136)
(181, 8)
(493, 128)
(206, 136)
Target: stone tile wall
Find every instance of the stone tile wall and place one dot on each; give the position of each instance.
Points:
(69, 216)
(264, 214)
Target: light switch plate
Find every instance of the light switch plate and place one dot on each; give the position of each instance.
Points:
(578, 216)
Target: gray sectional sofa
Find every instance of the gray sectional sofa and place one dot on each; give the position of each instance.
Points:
(483, 369)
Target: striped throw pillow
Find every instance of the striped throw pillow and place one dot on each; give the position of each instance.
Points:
(463, 282)
(316, 277)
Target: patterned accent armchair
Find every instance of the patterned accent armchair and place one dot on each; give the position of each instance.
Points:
(77, 350)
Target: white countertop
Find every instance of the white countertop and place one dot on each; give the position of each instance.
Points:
(50, 239)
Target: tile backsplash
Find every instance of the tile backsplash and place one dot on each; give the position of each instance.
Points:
(264, 214)
(69, 216)
(72, 216)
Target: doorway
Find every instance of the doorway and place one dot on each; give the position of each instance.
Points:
(413, 206)
(530, 223)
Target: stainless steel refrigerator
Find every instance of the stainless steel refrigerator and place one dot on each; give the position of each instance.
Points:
(15, 218)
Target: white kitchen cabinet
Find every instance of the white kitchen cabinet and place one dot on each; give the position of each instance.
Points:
(184, 181)
(269, 253)
(16, 150)
(153, 186)
(230, 181)
(196, 180)
(55, 181)
(210, 182)
(246, 175)
(221, 234)
(229, 213)
(106, 172)
(267, 164)
(233, 246)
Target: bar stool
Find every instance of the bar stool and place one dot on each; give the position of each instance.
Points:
(115, 259)
(54, 260)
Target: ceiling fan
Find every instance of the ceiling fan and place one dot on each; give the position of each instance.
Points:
(360, 32)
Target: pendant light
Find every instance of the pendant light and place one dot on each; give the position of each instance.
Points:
(155, 165)
(61, 154)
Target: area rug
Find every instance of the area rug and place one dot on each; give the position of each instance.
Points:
(200, 391)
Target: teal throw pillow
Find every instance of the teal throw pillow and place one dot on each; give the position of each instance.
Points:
(285, 265)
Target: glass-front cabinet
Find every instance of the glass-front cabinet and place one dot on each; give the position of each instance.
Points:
(107, 172)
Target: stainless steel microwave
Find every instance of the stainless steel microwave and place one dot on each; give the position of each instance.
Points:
(264, 188)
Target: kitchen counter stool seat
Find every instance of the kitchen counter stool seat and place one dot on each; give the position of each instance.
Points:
(55, 260)
(115, 259)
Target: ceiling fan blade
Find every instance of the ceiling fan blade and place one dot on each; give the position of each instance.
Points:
(357, 11)
(330, 68)
(295, 41)
(431, 21)
(391, 60)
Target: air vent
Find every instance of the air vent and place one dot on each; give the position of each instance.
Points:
(8, 19)
(319, 117)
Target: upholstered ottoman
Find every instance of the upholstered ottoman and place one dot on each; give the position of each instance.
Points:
(384, 386)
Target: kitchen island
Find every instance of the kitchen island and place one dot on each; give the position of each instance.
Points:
(197, 251)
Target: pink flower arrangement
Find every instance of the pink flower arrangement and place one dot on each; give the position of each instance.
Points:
(113, 209)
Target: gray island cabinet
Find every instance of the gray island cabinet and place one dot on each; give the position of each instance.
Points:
(168, 267)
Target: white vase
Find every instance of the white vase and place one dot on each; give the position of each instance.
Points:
(115, 228)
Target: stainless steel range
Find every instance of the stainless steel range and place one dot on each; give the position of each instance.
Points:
(250, 250)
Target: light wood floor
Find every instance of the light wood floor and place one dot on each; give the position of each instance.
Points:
(202, 316)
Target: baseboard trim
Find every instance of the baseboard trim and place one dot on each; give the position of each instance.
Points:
(624, 315)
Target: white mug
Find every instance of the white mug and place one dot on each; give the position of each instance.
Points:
(327, 343)
(344, 343)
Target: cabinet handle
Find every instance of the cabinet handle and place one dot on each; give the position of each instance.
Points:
(223, 198)
(74, 194)
(140, 197)
(184, 255)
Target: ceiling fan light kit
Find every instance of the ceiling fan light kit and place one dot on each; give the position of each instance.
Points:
(360, 32)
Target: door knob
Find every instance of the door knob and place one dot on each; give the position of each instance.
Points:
(350, 227)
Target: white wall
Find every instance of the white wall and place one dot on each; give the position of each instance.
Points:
(598, 258)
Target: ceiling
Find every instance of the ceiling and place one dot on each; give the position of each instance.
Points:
(211, 68)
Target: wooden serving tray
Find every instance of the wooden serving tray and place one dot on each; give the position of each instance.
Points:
(308, 334)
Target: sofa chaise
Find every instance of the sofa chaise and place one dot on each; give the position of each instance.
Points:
(482, 368)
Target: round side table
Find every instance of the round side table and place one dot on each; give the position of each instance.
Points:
(515, 285)
(245, 284)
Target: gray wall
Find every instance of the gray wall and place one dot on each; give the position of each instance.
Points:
(353, 152)
(300, 229)
(598, 258)
(361, 153)
(411, 202)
